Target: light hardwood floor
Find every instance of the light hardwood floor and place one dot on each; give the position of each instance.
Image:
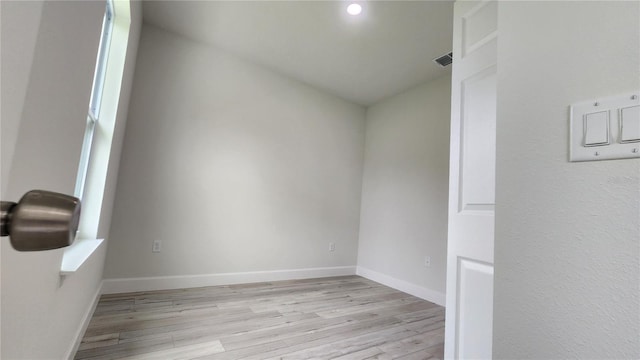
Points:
(331, 318)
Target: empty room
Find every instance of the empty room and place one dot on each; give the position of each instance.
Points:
(320, 179)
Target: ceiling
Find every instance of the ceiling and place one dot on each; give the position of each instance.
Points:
(385, 50)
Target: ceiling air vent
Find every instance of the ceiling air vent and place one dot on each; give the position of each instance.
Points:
(444, 60)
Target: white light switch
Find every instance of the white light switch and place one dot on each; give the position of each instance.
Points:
(630, 124)
(596, 129)
(605, 128)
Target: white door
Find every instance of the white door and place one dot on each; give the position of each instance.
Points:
(469, 314)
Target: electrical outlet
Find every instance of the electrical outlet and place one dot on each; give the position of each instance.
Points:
(332, 246)
(157, 246)
(427, 261)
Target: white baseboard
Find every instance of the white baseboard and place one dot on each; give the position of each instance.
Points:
(115, 286)
(84, 324)
(404, 286)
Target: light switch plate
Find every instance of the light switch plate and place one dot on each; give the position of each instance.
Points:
(596, 128)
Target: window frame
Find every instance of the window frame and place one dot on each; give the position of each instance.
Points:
(96, 98)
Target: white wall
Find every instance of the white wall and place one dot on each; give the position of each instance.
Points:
(405, 190)
(42, 317)
(567, 247)
(233, 167)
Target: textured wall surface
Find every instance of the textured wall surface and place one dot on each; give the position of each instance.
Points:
(405, 182)
(233, 167)
(567, 247)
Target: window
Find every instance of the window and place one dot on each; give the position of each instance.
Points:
(93, 170)
(96, 99)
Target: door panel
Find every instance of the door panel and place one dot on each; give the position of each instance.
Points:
(468, 331)
(478, 133)
(479, 26)
(475, 313)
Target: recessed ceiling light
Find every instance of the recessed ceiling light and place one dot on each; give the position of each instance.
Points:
(354, 9)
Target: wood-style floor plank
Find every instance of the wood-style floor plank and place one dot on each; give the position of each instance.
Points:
(346, 318)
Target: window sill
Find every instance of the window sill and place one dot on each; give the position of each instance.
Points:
(77, 254)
